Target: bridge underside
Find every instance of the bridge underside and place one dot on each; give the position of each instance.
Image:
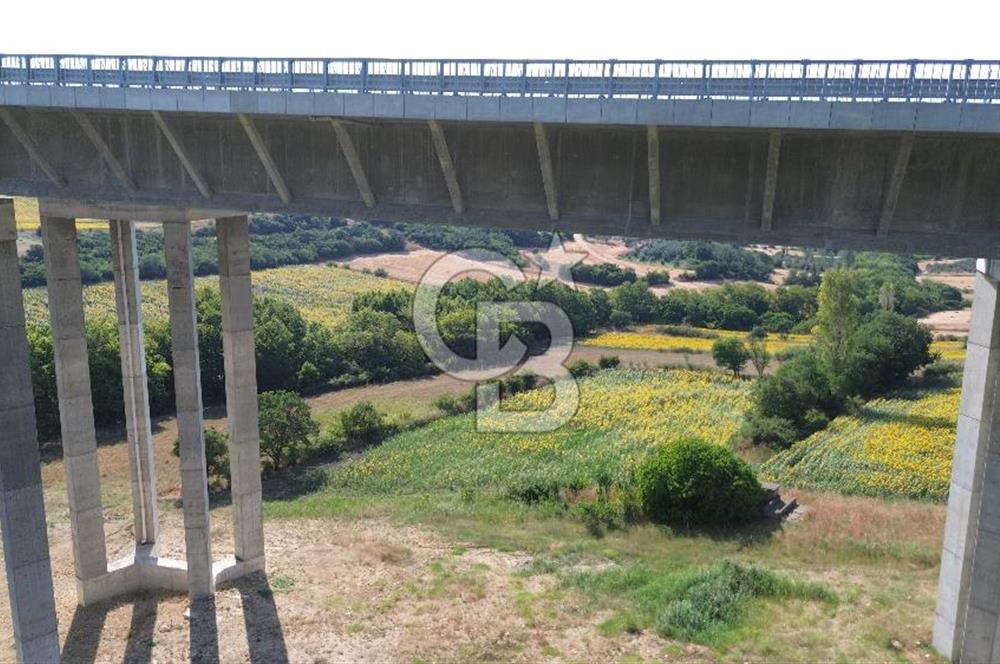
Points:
(895, 191)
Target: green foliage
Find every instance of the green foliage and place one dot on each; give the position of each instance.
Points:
(603, 274)
(609, 362)
(286, 427)
(581, 368)
(708, 260)
(760, 357)
(363, 426)
(730, 353)
(714, 598)
(837, 318)
(799, 393)
(887, 348)
(690, 482)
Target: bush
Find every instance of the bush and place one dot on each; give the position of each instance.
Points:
(609, 362)
(690, 482)
(451, 404)
(774, 432)
(720, 595)
(286, 427)
(581, 369)
(363, 426)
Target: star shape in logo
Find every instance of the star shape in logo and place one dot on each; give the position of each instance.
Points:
(556, 264)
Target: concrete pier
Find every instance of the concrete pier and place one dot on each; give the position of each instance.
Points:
(968, 606)
(241, 388)
(22, 510)
(190, 432)
(76, 411)
(128, 303)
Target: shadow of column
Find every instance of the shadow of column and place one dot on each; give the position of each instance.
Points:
(139, 646)
(204, 632)
(84, 635)
(265, 637)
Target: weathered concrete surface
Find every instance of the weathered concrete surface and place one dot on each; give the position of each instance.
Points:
(893, 116)
(241, 388)
(128, 304)
(76, 410)
(968, 606)
(831, 185)
(190, 426)
(22, 510)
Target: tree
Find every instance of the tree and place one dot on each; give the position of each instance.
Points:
(837, 319)
(760, 357)
(730, 353)
(286, 426)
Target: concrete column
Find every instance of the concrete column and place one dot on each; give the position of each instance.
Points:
(968, 604)
(241, 386)
(187, 386)
(128, 302)
(22, 510)
(76, 411)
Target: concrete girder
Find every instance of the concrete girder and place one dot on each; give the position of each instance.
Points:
(182, 154)
(548, 174)
(31, 147)
(94, 134)
(447, 165)
(266, 160)
(353, 161)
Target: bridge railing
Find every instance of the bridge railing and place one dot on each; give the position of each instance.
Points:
(838, 80)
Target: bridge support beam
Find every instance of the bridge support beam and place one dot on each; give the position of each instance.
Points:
(183, 155)
(967, 619)
(447, 165)
(353, 162)
(187, 388)
(266, 160)
(104, 149)
(128, 303)
(31, 148)
(770, 180)
(653, 166)
(548, 174)
(895, 183)
(76, 409)
(241, 390)
(22, 510)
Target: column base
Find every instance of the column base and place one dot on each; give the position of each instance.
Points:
(145, 571)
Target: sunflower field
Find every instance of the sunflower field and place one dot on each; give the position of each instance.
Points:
(323, 293)
(895, 447)
(686, 343)
(621, 413)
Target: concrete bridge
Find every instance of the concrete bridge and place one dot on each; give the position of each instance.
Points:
(899, 156)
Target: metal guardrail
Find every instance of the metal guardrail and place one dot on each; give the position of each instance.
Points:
(836, 80)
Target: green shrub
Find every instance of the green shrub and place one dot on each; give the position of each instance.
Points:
(363, 426)
(451, 404)
(690, 482)
(718, 597)
(774, 432)
(730, 353)
(620, 319)
(609, 362)
(581, 369)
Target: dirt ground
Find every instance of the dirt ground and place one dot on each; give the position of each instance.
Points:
(360, 591)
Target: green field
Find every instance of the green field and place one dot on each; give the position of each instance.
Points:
(621, 414)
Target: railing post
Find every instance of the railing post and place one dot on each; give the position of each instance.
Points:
(909, 85)
(611, 79)
(857, 80)
(965, 84)
(567, 65)
(656, 79)
(753, 78)
(291, 75)
(27, 70)
(364, 76)
(706, 68)
(802, 81)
